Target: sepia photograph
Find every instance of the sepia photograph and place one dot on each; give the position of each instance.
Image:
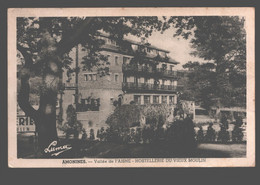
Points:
(113, 87)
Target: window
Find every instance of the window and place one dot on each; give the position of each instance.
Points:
(125, 59)
(164, 99)
(111, 101)
(155, 99)
(163, 82)
(124, 78)
(89, 104)
(94, 77)
(130, 79)
(116, 60)
(86, 77)
(148, 50)
(146, 99)
(172, 82)
(164, 67)
(116, 77)
(137, 99)
(136, 80)
(171, 67)
(171, 98)
(90, 77)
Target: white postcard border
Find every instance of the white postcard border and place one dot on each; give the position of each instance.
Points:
(14, 162)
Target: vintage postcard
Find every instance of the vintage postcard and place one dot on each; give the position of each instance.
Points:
(131, 87)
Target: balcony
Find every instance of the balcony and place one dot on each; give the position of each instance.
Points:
(168, 73)
(149, 70)
(130, 86)
(88, 105)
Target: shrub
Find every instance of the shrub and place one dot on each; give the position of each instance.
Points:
(200, 135)
(84, 134)
(237, 134)
(91, 135)
(181, 134)
(223, 134)
(211, 135)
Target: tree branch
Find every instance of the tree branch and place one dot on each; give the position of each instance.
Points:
(26, 56)
(23, 97)
(69, 42)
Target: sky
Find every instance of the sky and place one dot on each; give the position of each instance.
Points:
(179, 48)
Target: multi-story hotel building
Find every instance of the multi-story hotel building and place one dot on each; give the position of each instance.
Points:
(138, 73)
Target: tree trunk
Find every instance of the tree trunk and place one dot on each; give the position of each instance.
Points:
(46, 124)
(46, 121)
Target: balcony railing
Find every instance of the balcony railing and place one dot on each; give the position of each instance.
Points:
(88, 105)
(69, 85)
(167, 72)
(146, 86)
(145, 69)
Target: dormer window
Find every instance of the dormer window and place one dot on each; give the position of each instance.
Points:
(162, 54)
(134, 47)
(113, 42)
(164, 67)
(108, 41)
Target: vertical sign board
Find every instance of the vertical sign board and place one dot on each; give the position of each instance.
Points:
(25, 124)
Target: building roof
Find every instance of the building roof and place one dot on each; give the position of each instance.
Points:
(127, 49)
(147, 45)
(171, 60)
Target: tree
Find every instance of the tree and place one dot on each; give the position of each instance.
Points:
(155, 115)
(222, 40)
(200, 85)
(72, 126)
(125, 116)
(44, 43)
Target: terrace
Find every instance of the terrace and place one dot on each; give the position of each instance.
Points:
(149, 70)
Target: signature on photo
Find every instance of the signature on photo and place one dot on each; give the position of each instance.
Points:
(56, 149)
